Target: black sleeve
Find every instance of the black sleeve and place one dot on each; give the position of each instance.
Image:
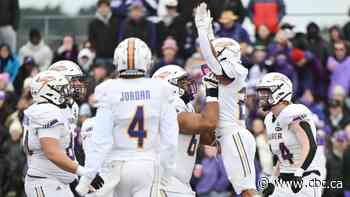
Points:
(313, 147)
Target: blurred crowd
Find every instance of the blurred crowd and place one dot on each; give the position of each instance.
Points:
(318, 63)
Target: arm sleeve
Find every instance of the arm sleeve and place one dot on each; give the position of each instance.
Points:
(101, 141)
(53, 132)
(169, 131)
(207, 53)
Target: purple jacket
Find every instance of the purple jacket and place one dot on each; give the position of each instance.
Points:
(214, 176)
(236, 32)
(341, 75)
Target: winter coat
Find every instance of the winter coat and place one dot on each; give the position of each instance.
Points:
(41, 53)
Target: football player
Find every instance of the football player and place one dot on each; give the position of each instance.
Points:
(237, 143)
(292, 138)
(75, 76)
(184, 88)
(47, 138)
(133, 114)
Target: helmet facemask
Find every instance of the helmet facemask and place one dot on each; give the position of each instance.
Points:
(265, 98)
(77, 88)
(187, 87)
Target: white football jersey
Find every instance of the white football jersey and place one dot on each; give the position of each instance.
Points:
(283, 141)
(86, 132)
(46, 120)
(187, 146)
(139, 114)
(232, 106)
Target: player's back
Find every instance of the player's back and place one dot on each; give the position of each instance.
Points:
(136, 105)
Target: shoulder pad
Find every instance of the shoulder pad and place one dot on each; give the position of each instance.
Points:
(102, 93)
(43, 116)
(268, 118)
(294, 113)
(178, 104)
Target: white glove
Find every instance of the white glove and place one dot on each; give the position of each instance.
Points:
(84, 186)
(203, 19)
(211, 35)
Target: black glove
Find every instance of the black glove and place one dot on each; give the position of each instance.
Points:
(268, 190)
(98, 182)
(187, 97)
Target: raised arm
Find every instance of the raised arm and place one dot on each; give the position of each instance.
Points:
(207, 120)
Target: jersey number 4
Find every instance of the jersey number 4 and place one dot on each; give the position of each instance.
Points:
(286, 155)
(136, 128)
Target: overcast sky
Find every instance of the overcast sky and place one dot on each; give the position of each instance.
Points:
(293, 6)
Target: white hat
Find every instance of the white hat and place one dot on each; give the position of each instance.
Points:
(171, 3)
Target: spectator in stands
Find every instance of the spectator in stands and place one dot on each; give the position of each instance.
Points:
(237, 7)
(9, 62)
(266, 12)
(259, 66)
(335, 35)
(67, 51)
(334, 163)
(136, 25)
(339, 66)
(37, 49)
(338, 118)
(28, 69)
(213, 179)
(316, 44)
(100, 72)
(6, 86)
(169, 51)
(263, 36)
(15, 156)
(174, 25)
(103, 32)
(9, 20)
(229, 27)
(85, 59)
(346, 170)
(311, 74)
(120, 7)
(346, 29)
(279, 58)
(4, 137)
(5, 108)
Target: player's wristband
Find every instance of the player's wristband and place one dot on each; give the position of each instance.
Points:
(212, 92)
(81, 171)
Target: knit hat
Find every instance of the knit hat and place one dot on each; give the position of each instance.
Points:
(170, 43)
(297, 55)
